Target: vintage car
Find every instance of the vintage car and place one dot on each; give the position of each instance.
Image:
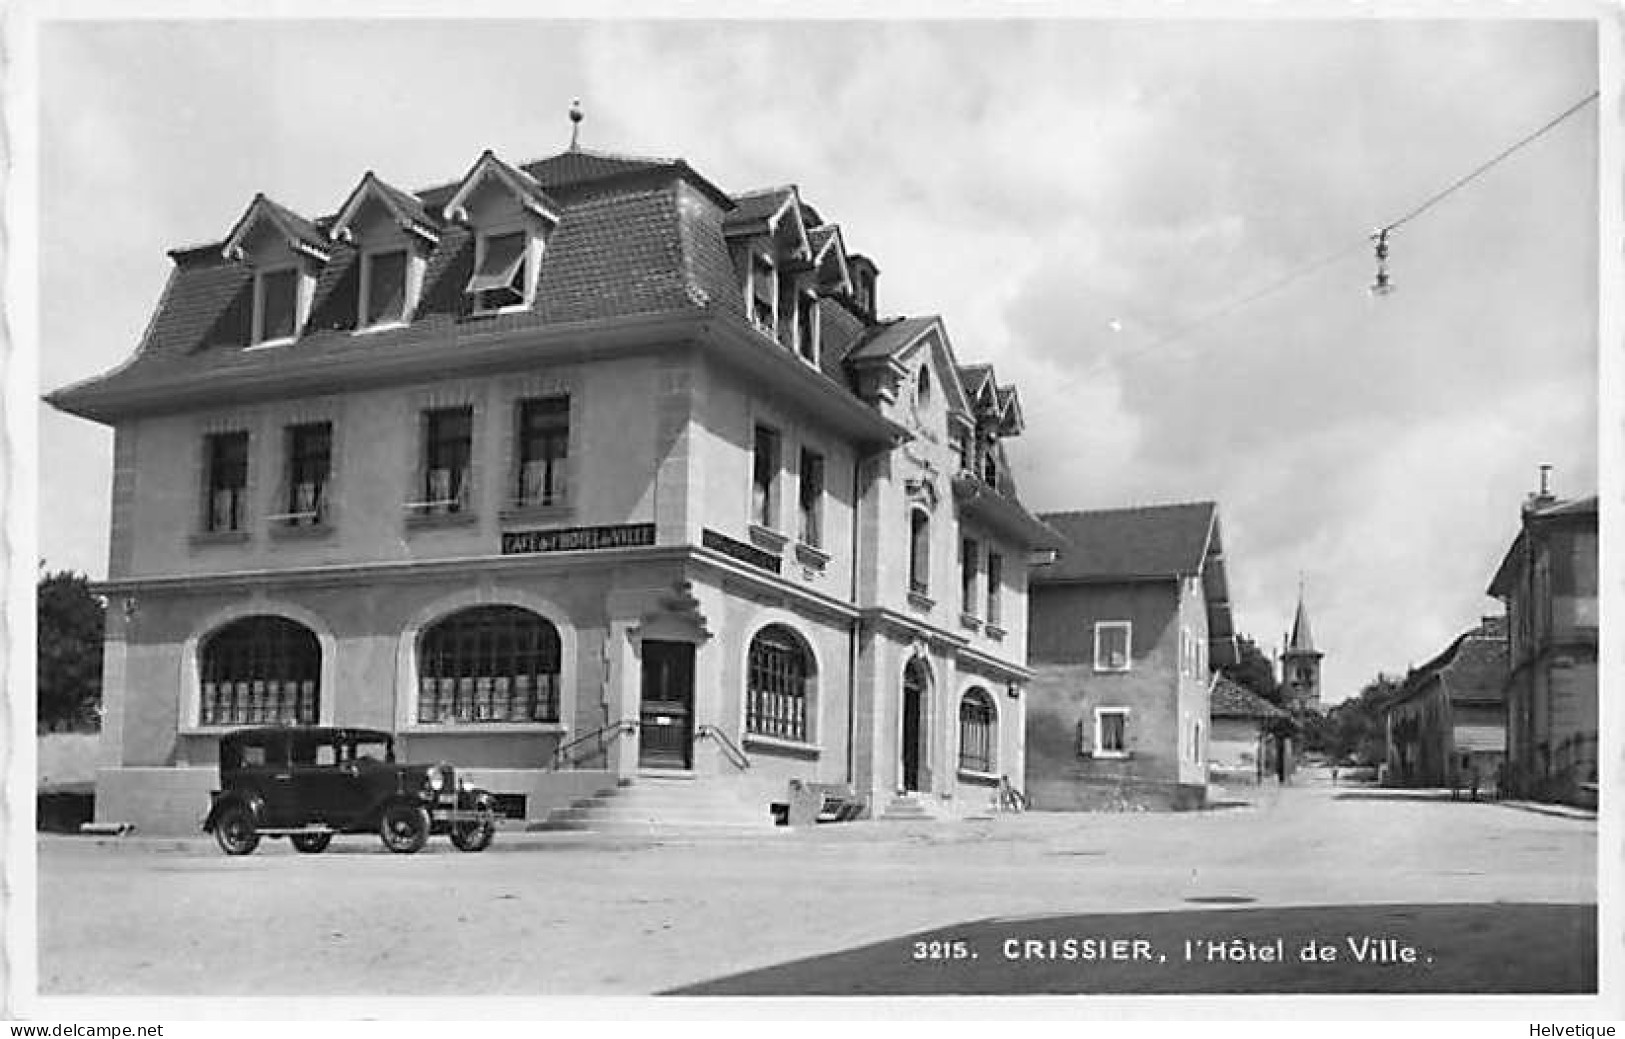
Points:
(308, 783)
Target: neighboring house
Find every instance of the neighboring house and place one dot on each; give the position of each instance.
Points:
(1448, 723)
(1548, 581)
(1126, 627)
(1241, 745)
(576, 473)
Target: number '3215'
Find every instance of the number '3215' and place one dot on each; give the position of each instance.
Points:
(943, 950)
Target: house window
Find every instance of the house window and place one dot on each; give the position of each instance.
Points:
(261, 670)
(922, 387)
(226, 508)
(448, 440)
(812, 498)
(383, 287)
(995, 587)
(990, 465)
(778, 685)
(807, 326)
(978, 732)
(544, 447)
(764, 294)
(501, 271)
(489, 664)
(276, 304)
(1196, 743)
(1113, 645)
(919, 552)
(1111, 732)
(764, 505)
(967, 576)
(310, 452)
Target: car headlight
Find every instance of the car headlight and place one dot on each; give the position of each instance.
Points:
(436, 780)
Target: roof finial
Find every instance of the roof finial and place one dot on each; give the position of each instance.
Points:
(575, 124)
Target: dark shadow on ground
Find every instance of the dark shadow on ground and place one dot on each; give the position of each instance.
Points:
(1496, 948)
(1441, 796)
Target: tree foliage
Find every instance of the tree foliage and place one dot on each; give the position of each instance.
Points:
(70, 621)
(1355, 729)
(1253, 670)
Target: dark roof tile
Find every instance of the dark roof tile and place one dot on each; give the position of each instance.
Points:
(1147, 541)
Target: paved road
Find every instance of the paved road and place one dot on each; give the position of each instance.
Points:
(545, 914)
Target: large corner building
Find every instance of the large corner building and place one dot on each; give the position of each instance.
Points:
(571, 472)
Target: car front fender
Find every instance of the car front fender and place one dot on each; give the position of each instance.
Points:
(253, 802)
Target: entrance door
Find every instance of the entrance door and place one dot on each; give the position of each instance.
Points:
(913, 702)
(666, 736)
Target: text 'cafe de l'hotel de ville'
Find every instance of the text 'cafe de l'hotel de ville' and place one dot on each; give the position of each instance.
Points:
(579, 473)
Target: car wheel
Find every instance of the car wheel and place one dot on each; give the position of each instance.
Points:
(404, 828)
(477, 835)
(311, 843)
(235, 832)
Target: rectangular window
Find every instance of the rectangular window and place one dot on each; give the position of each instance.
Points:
(310, 450)
(1113, 645)
(276, 304)
(807, 326)
(967, 576)
(764, 506)
(995, 587)
(764, 294)
(385, 283)
(1111, 732)
(544, 449)
(227, 459)
(919, 552)
(812, 498)
(448, 441)
(500, 273)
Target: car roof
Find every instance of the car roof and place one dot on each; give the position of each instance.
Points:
(309, 732)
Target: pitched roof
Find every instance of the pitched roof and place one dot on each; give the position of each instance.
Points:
(1473, 667)
(570, 168)
(1233, 700)
(1143, 542)
(890, 338)
(761, 204)
(1302, 640)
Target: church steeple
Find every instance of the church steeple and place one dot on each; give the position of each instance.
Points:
(1300, 660)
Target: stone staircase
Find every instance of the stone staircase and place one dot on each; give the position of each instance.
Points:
(664, 803)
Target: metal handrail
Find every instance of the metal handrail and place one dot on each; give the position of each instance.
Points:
(624, 727)
(730, 749)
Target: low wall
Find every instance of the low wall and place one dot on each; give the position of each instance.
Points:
(1113, 795)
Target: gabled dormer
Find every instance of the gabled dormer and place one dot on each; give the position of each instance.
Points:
(826, 275)
(511, 218)
(286, 252)
(393, 234)
(767, 238)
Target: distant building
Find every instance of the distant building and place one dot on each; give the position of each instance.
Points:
(1300, 663)
(1448, 722)
(1548, 581)
(1125, 629)
(1240, 749)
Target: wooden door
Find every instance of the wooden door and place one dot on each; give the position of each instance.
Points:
(666, 733)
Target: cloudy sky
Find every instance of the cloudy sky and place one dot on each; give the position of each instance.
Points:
(1076, 198)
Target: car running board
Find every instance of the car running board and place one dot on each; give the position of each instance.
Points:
(301, 831)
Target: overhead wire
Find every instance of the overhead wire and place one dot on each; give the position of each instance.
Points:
(1379, 235)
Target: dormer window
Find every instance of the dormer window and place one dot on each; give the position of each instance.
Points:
(807, 326)
(501, 271)
(383, 287)
(922, 387)
(764, 294)
(276, 305)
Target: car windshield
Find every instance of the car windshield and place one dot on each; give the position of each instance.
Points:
(373, 749)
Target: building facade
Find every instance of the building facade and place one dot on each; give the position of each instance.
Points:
(1548, 581)
(1127, 627)
(1447, 726)
(569, 472)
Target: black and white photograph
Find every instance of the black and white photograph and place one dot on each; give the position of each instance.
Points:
(1099, 506)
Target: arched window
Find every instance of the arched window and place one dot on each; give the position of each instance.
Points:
(260, 670)
(489, 664)
(778, 685)
(978, 732)
(919, 552)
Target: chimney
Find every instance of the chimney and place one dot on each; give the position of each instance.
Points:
(864, 273)
(1544, 496)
